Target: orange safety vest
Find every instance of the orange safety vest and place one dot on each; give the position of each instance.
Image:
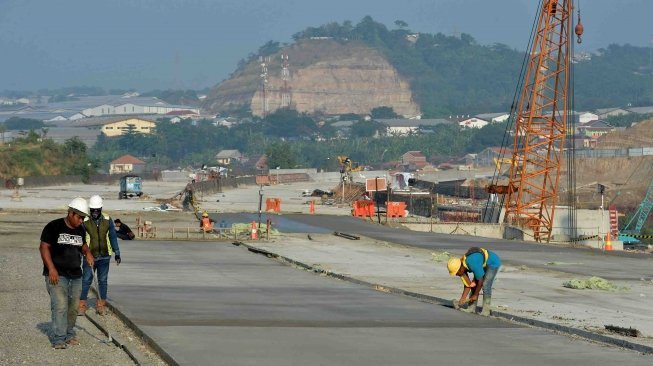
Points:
(207, 225)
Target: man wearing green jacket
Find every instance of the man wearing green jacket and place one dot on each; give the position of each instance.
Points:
(103, 243)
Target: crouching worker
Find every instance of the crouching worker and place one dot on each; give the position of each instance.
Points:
(484, 264)
(207, 223)
(123, 231)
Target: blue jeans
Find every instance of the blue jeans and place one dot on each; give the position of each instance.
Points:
(488, 280)
(64, 302)
(101, 266)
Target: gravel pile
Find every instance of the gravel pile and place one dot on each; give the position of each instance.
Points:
(25, 307)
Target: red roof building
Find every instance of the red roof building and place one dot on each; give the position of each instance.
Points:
(126, 164)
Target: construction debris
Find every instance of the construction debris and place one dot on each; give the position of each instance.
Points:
(352, 192)
(346, 236)
(441, 257)
(245, 228)
(593, 283)
(164, 207)
(628, 332)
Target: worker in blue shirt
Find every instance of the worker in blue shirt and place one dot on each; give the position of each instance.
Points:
(484, 264)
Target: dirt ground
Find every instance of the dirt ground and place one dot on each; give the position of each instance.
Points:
(25, 305)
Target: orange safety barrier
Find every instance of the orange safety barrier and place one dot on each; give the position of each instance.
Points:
(273, 204)
(396, 209)
(363, 208)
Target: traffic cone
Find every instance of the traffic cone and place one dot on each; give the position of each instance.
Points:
(608, 242)
(311, 208)
(254, 231)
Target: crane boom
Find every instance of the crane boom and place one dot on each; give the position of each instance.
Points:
(541, 122)
(642, 213)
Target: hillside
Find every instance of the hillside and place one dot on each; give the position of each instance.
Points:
(346, 68)
(626, 179)
(325, 76)
(640, 135)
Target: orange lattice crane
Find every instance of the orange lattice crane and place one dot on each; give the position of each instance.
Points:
(540, 121)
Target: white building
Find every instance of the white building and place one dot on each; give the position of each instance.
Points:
(473, 123)
(585, 117)
(405, 126)
(494, 117)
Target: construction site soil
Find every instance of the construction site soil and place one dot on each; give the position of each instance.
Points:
(626, 178)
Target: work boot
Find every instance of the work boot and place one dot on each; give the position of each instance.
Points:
(100, 307)
(81, 311)
(470, 308)
(487, 300)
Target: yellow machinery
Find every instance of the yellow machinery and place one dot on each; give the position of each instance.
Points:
(499, 161)
(347, 166)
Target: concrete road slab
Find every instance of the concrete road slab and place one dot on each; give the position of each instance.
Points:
(582, 261)
(212, 303)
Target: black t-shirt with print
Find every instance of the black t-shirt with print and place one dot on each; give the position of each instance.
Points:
(65, 248)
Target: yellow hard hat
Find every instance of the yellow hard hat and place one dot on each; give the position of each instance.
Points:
(205, 214)
(454, 265)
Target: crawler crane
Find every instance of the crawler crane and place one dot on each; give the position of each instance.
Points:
(540, 118)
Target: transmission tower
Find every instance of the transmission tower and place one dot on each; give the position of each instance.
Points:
(265, 61)
(285, 76)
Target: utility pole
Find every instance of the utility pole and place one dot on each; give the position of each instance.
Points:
(376, 199)
(260, 204)
(601, 188)
(431, 212)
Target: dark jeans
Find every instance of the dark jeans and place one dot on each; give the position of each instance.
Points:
(64, 301)
(488, 280)
(101, 267)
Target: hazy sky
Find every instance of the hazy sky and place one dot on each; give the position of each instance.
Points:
(147, 44)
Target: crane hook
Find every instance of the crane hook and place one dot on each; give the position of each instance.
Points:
(579, 28)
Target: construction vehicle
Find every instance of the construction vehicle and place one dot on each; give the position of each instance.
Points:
(628, 233)
(538, 122)
(499, 161)
(347, 166)
(130, 186)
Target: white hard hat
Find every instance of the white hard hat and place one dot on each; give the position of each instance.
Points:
(80, 206)
(95, 202)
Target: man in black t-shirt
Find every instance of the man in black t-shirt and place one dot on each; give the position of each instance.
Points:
(63, 241)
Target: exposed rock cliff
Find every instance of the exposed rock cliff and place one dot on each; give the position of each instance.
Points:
(324, 76)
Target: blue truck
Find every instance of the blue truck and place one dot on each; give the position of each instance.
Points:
(130, 186)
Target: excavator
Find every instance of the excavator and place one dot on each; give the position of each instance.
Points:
(347, 166)
(499, 161)
(630, 232)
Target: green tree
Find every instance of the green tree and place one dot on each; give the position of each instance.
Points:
(286, 122)
(18, 123)
(281, 154)
(383, 112)
(367, 129)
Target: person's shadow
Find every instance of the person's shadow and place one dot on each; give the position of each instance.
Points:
(46, 329)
